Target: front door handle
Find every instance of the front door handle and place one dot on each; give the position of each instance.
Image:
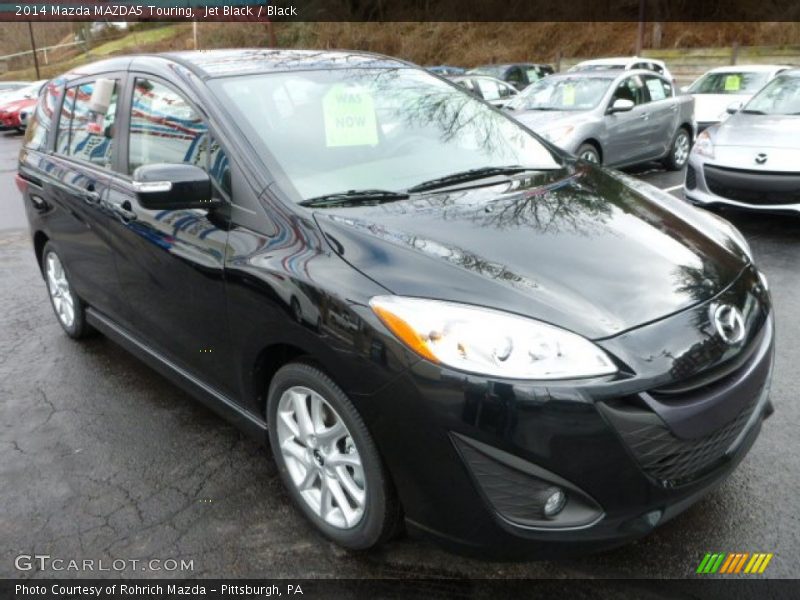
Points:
(645, 116)
(124, 210)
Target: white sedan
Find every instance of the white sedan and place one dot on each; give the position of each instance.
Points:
(728, 87)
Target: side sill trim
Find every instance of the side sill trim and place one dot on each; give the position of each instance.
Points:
(213, 399)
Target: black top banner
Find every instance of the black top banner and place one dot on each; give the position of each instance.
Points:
(404, 10)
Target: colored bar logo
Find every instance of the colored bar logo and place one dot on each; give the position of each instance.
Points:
(734, 563)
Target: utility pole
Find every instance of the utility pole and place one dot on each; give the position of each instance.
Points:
(640, 33)
(33, 47)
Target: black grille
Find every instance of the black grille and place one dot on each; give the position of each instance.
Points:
(753, 187)
(671, 460)
(691, 178)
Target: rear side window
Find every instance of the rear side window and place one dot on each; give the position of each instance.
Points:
(83, 133)
(658, 88)
(489, 89)
(41, 121)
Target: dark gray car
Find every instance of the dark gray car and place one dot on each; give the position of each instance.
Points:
(611, 117)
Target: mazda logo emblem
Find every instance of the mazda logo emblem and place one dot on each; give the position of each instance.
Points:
(761, 158)
(729, 323)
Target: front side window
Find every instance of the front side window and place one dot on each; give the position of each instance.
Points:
(166, 128)
(631, 89)
(84, 133)
(738, 82)
(562, 93)
(365, 128)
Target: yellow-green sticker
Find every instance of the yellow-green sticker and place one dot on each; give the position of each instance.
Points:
(568, 94)
(349, 114)
(733, 83)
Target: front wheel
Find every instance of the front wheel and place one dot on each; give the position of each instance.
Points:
(679, 151)
(327, 459)
(589, 153)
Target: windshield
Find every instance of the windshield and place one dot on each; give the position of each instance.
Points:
(493, 71)
(563, 93)
(338, 130)
(729, 83)
(781, 96)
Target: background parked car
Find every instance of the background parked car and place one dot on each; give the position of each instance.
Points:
(494, 91)
(611, 117)
(520, 75)
(7, 87)
(17, 106)
(751, 159)
(719, 88)
(446, 70)
(626, 63)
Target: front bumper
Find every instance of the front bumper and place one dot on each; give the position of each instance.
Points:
(709, 184)
(470, 456)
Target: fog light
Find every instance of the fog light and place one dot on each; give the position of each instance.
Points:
(555, 503)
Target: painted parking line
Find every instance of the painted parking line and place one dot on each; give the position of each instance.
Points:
(673, 188)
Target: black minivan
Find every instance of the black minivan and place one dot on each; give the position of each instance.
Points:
(434, 317)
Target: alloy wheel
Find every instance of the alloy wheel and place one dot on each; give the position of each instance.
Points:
(681, 150)
(60, 293)
(321, 457)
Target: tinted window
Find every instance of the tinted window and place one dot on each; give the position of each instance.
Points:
(658, 88)
(367, 128)
(514, 75)
(489, 89)
(41, 121)
(562, 93)
(507, 90)
(165, 128)
(631, 89)
(85, 134)
(729, 83)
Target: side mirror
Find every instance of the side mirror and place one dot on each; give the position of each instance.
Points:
(173, 187)
(622, 105)
(734, 107)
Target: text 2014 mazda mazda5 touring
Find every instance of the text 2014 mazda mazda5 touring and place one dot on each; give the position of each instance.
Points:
(434, 317)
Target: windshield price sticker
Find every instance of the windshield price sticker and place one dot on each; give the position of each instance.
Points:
(733, 83)
(568, 94)
(349, 114)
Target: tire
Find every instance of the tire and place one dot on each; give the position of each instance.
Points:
(678, 150)
(334, 432)
(589, 153)
(69, 309)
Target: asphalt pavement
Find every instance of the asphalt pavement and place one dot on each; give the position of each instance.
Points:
(104, 459)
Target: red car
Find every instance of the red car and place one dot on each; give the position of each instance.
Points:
(16, 110)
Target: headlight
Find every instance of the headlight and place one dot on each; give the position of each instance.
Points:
(489, 342)
(703, 145)
(558, 134)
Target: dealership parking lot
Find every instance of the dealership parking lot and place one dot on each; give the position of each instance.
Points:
(104, 459)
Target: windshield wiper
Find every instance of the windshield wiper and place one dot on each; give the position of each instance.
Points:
(464, 176)
(354, 197)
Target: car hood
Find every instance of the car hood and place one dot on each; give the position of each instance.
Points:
(542, 120)
(711, 107)
(17, 105)
(762, 131)
(578, 248)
